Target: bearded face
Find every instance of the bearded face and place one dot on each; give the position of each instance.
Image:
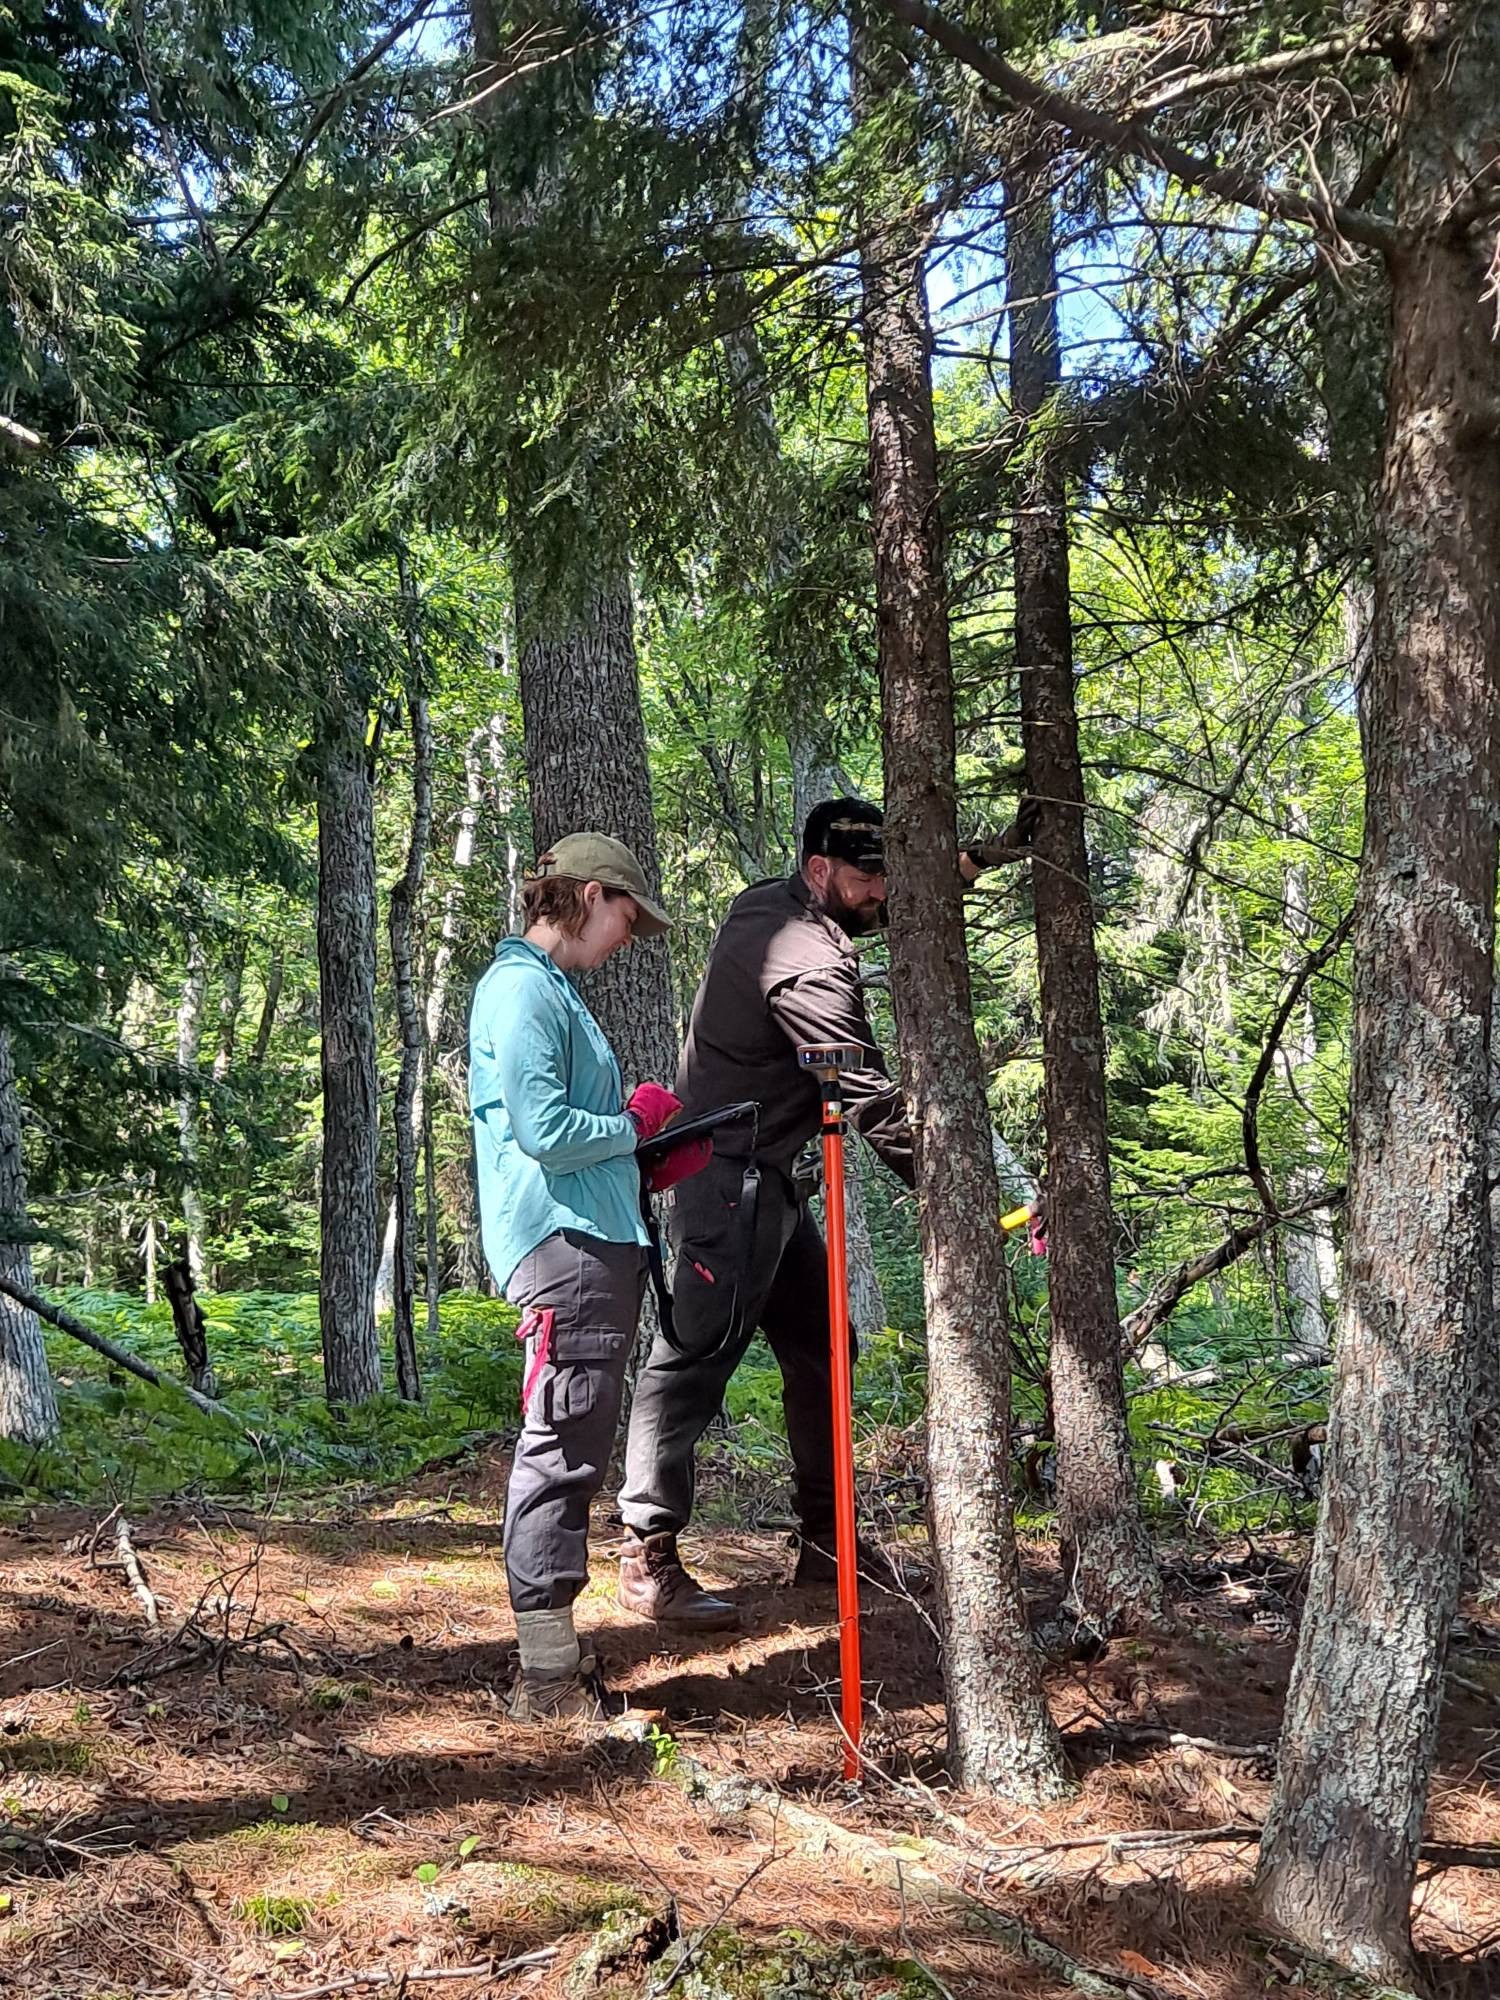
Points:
(853, 898)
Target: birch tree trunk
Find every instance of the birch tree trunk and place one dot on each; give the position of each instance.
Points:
(189, 1046)
(28, 1401)
(1357, 1743)
(1307, 1246)
(408, 1111)
(351, 1102)
(229, 1010)
(1000, 1735)
(1107, 1558)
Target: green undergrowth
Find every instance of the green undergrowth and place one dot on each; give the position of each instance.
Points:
(717, 1963)
(123, 1440)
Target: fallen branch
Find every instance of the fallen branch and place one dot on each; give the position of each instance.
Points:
(130, 1562)
(12, 1835)
(1174, 1739)
(1437, 1854)
(1121, 1842)
(488, 1968)
(63, 1320)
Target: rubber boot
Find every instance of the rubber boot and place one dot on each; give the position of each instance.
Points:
(653, 1584)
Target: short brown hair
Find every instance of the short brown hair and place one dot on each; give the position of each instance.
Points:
(558, 899)
(555, 899)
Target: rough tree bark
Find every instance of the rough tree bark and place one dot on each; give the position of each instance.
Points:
(189, 1044)
(351, 1103)
(189, 1325)
(1000, 1735)
(1340, 1847)
(1484, 1524)
(28, 1401)
(408, 1112)
(1106, 1554)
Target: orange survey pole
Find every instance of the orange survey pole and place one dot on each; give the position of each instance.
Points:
(828, 1062)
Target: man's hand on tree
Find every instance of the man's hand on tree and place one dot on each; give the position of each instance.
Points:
(998, 850)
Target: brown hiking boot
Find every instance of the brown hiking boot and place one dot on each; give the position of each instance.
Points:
(818, 1569)
(653, 1584)
(576, 1697)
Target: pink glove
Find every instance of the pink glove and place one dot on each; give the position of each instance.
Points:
(650, 1106)
(690, 1158)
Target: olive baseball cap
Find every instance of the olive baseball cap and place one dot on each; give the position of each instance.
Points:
(594, 857)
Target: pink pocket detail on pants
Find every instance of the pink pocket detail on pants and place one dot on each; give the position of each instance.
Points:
(703, 1271)
(538, 1320)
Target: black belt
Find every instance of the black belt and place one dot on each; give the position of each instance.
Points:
(651, 1150)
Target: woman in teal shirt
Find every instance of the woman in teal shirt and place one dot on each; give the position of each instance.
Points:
(559, 1204)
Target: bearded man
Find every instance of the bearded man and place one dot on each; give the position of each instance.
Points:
(782, 974)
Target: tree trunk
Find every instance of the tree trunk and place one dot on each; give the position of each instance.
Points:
(28, 1401)
(1484, 1526)
(1357, 1744)
(351, 1101)
(1306, 1247)
(1000, 1735)
(189, 1043)
(275, 974)
(148, 1243)
(587, 768)
(433, 1273)
(1106, 1554)
(189, 1325)
(408, 1112)
(229, 1009)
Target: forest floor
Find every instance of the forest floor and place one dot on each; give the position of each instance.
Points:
(303, 1771)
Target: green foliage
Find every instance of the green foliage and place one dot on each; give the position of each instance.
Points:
(123, 1440)
(274, 1916)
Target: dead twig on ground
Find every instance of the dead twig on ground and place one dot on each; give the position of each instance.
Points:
(130, 1562)
(488, 1968)
(13, 1836)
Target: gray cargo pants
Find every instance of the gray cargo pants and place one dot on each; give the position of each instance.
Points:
(785, 1290)
(579, 1299)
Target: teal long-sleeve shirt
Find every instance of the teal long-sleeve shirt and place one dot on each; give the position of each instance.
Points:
(553, 1148)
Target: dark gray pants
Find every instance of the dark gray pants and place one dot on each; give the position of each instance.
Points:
(593, 1291)
(785, 1294)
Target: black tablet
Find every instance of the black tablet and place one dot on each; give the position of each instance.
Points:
(649, 1151)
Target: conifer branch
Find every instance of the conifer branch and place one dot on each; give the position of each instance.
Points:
(1133, 140)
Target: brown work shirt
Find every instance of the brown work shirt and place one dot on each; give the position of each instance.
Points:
(781, 975)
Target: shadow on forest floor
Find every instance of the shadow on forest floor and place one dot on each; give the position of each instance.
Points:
(348, 1794)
